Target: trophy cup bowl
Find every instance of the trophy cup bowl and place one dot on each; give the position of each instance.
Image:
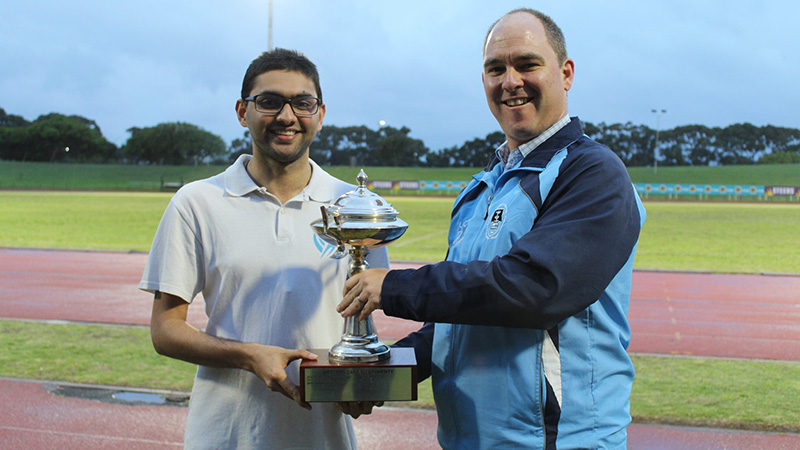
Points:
(359, 367)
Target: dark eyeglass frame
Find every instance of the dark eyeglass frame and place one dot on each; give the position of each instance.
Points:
(290, 101)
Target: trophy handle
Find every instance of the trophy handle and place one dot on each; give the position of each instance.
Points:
(340, 251)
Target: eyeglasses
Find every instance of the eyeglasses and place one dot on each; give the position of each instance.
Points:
(272, 104)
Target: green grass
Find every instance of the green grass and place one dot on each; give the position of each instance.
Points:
(428, 219)
(38, 175)
(758, 395)
(87, 220)
(766, 174)
(687, 391)
(717, 237)
(720, 237)
(94, 354)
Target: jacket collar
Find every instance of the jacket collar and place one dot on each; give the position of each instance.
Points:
(539, 157)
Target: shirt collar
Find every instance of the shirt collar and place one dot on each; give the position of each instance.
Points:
(238, 182)
(523, 150)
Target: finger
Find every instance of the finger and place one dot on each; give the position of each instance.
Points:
(366, 310)
(304, 354)
(346, 301)
(347, 408)
(350, 283)
(349, 297)
(365, 408)
(354, 308)
(370, 306)
(355, 409)
(349, 302)
(292, 391)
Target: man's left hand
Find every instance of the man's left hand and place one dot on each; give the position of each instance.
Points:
(362, 293)
(356, 409)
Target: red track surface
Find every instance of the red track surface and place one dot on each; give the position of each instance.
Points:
(742, 316)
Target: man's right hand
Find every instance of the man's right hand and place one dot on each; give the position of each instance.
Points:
(174, 337)
(269, 363)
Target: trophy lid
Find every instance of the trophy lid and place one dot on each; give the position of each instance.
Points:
(359, 218)
(360, 203)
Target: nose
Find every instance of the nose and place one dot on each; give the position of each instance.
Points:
(286, 114)
(512, 80)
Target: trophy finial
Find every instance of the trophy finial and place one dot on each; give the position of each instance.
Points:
(362, 179)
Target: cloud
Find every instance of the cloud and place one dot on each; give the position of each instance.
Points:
(414, 63)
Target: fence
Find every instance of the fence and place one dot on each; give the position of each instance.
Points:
(790, 193)
(658, 190)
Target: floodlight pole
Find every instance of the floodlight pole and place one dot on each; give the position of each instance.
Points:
(270, 25)
(658, 113)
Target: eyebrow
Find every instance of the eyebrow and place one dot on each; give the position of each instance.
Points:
(516, 59)
(300, 95)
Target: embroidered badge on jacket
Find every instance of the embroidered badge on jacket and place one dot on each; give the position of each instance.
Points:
(497, 221)
(462, 227)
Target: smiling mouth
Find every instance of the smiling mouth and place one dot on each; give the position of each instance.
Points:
(516, 101)
(285, 132)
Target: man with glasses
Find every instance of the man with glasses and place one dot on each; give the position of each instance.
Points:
(527, 326)
(242, 239)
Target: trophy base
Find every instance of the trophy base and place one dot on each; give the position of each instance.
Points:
(393, 379)
(359, 350)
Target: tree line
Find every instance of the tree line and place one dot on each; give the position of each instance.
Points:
(56, 137)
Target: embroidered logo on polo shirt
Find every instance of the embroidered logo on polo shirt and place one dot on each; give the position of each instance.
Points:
(325, 249)
(498, 218)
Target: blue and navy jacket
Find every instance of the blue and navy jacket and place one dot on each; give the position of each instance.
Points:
(526, 329)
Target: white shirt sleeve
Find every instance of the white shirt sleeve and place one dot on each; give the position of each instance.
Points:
(175, 265)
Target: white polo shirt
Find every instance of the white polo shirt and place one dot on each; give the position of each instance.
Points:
(267, 278)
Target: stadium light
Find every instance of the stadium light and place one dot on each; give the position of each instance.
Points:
(658, 113)
(270, 24)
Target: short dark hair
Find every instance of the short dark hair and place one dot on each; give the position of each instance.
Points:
(554, 35)
(280, 59)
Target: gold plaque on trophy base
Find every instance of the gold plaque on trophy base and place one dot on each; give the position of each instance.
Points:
(393, 379)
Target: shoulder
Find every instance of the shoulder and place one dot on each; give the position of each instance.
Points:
(588, 154)
(194, 198)
(200, 188)
(323, 184)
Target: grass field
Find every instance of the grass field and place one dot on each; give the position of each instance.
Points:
(33, 175)
(716, 237)
(688, 391)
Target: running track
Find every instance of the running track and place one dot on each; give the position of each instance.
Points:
(736, 316)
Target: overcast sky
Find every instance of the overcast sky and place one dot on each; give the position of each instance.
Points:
(410, 63)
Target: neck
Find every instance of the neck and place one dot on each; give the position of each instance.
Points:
(283, 180)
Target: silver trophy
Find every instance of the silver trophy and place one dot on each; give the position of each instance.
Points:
(357, 222)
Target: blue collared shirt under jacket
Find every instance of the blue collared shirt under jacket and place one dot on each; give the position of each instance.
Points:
(526, 321)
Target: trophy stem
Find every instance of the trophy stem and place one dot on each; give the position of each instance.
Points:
(359, 341)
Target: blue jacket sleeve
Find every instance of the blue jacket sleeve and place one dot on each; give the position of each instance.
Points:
(585, 232)
(422, 343)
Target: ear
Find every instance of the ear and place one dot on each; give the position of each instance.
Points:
(241, 110)
(568, 73)
(321, 113)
